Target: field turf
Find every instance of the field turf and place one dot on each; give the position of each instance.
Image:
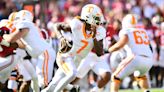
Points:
(151, 90)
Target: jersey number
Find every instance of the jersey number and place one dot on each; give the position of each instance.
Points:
(84, 46)
(141, 37)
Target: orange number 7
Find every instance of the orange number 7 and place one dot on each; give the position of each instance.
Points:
(139, 39)
(85, 45)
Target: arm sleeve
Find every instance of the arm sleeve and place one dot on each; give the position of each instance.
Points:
(123, 32)
(75, 25)
(22, 24)
(101, 33)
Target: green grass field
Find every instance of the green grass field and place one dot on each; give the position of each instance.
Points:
(151, 90)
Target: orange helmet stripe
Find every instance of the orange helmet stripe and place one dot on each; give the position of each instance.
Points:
(133, 20)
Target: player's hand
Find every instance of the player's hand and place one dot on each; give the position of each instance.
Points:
(64, 45)
(4, 42)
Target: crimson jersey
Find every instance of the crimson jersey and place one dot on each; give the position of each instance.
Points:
(6, 50)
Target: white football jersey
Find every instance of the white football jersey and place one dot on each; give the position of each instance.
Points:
(35, 44)
(82, 40)
(138, 41)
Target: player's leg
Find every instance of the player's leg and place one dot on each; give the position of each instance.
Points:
(82, 70)
(6, 66)
(24, 87)
(115, 59)
(55, 80)
(69, 69)
(12, 82)
(102, 69)
(145, 65)
(143, 82)
(42, 69)
(31, 70)
(50, 67)
(125, 68)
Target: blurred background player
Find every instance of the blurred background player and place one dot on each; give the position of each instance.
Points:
(27, 65)
(137, 40)
(8, 56)
(29, 36)
(44, 64)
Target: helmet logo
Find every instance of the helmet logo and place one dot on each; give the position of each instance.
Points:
(90, 9)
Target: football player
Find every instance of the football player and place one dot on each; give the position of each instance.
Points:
(70, 54)
(141, 59)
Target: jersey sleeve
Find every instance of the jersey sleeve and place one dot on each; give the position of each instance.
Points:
(101, 33)
(75, 25)
(23, 24)
(123, 32)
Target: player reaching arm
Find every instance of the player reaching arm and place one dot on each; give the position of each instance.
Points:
(141, 59)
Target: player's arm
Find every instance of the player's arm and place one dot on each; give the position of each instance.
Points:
(120, 44)
(58, 27)
(157, 40)
(13, 37)
(98, 47)
(98, 36)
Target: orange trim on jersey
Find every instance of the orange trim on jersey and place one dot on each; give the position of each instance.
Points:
(65, 67)
(133, 20)
(13, 30)
(124, 64)
(10, 25)
(45, 67)
(77, 17)
(84, 32)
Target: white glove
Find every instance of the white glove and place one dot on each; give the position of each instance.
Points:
(5, 43)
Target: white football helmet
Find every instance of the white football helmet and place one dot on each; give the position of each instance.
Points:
(129, 21)
(12, 16)
(24, 15)
(92, 14)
